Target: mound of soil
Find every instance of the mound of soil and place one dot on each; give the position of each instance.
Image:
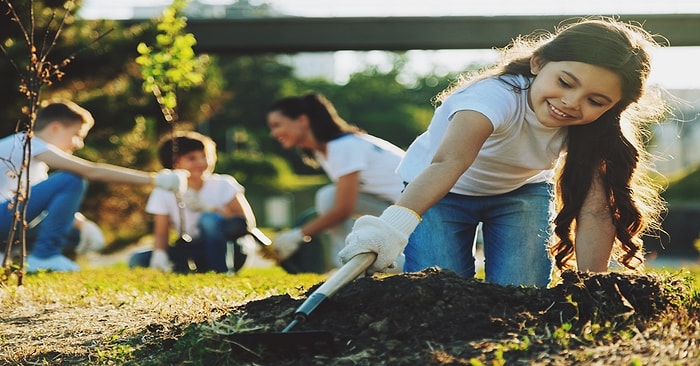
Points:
(436, 317)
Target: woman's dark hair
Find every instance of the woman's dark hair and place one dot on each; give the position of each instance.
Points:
(612, 146)
(324, 121)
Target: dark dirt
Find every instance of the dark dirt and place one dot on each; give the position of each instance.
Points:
(436, 317)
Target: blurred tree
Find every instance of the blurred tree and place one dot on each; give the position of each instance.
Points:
(374, 100)
(239, 125)
(105, 79)
(230, 107)
(684, 187)
(170, 65)
(378, 103)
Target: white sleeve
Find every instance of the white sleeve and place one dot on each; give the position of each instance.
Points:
(346, 155)
(220, 189)
(491, 97)
(158, 202)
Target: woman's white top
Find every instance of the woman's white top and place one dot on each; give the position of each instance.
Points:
(375, 159)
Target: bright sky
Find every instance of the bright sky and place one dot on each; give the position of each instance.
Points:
(323, 8)
(670, 63)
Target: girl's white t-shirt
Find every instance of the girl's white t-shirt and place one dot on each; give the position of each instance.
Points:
(519, 151)
(374, 158)
(217, 191)
(11, 151)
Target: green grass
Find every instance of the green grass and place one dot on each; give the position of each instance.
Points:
(110, 315)
(118, 285)
(115, 315)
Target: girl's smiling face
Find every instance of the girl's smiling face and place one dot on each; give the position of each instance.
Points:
(568, 93)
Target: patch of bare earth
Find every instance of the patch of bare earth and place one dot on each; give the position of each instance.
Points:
(433, 317)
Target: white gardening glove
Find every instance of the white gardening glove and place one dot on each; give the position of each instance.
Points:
(172, 180)
(91, 238)
(385, 235)
(160, 261)
(288, 242)
(192, 201)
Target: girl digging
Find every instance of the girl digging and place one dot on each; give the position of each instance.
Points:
(548, 141)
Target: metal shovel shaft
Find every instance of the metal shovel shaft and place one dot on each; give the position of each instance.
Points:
(345, 274)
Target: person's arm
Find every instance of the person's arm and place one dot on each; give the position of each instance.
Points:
(159, 255)
(346, 190)
(595, 230)
(101, 172)
(463, 139)
(239, 205)
(388, 234)
(161, 231)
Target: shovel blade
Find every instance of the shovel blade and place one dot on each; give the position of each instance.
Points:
(284, 340)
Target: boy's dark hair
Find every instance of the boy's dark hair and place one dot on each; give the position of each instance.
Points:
(185, 142)
(64, 112)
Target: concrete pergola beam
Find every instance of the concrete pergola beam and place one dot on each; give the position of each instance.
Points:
(298, 34)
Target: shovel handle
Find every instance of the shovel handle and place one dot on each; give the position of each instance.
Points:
(345, 274)
(260, 237)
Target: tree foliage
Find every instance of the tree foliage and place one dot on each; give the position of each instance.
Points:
(105, 79)
(171, 64)
(230, 106)
(685, 188)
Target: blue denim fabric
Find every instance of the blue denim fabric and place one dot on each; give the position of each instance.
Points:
(211, 234)
(60, 195)
(208, 251)
(516, 231)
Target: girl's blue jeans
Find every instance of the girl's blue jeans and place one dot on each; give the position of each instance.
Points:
(516, 230)
(60, 195)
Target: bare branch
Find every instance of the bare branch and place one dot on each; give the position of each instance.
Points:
(38, 73)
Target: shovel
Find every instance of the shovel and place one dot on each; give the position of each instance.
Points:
(260, 236)
(287, 338)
